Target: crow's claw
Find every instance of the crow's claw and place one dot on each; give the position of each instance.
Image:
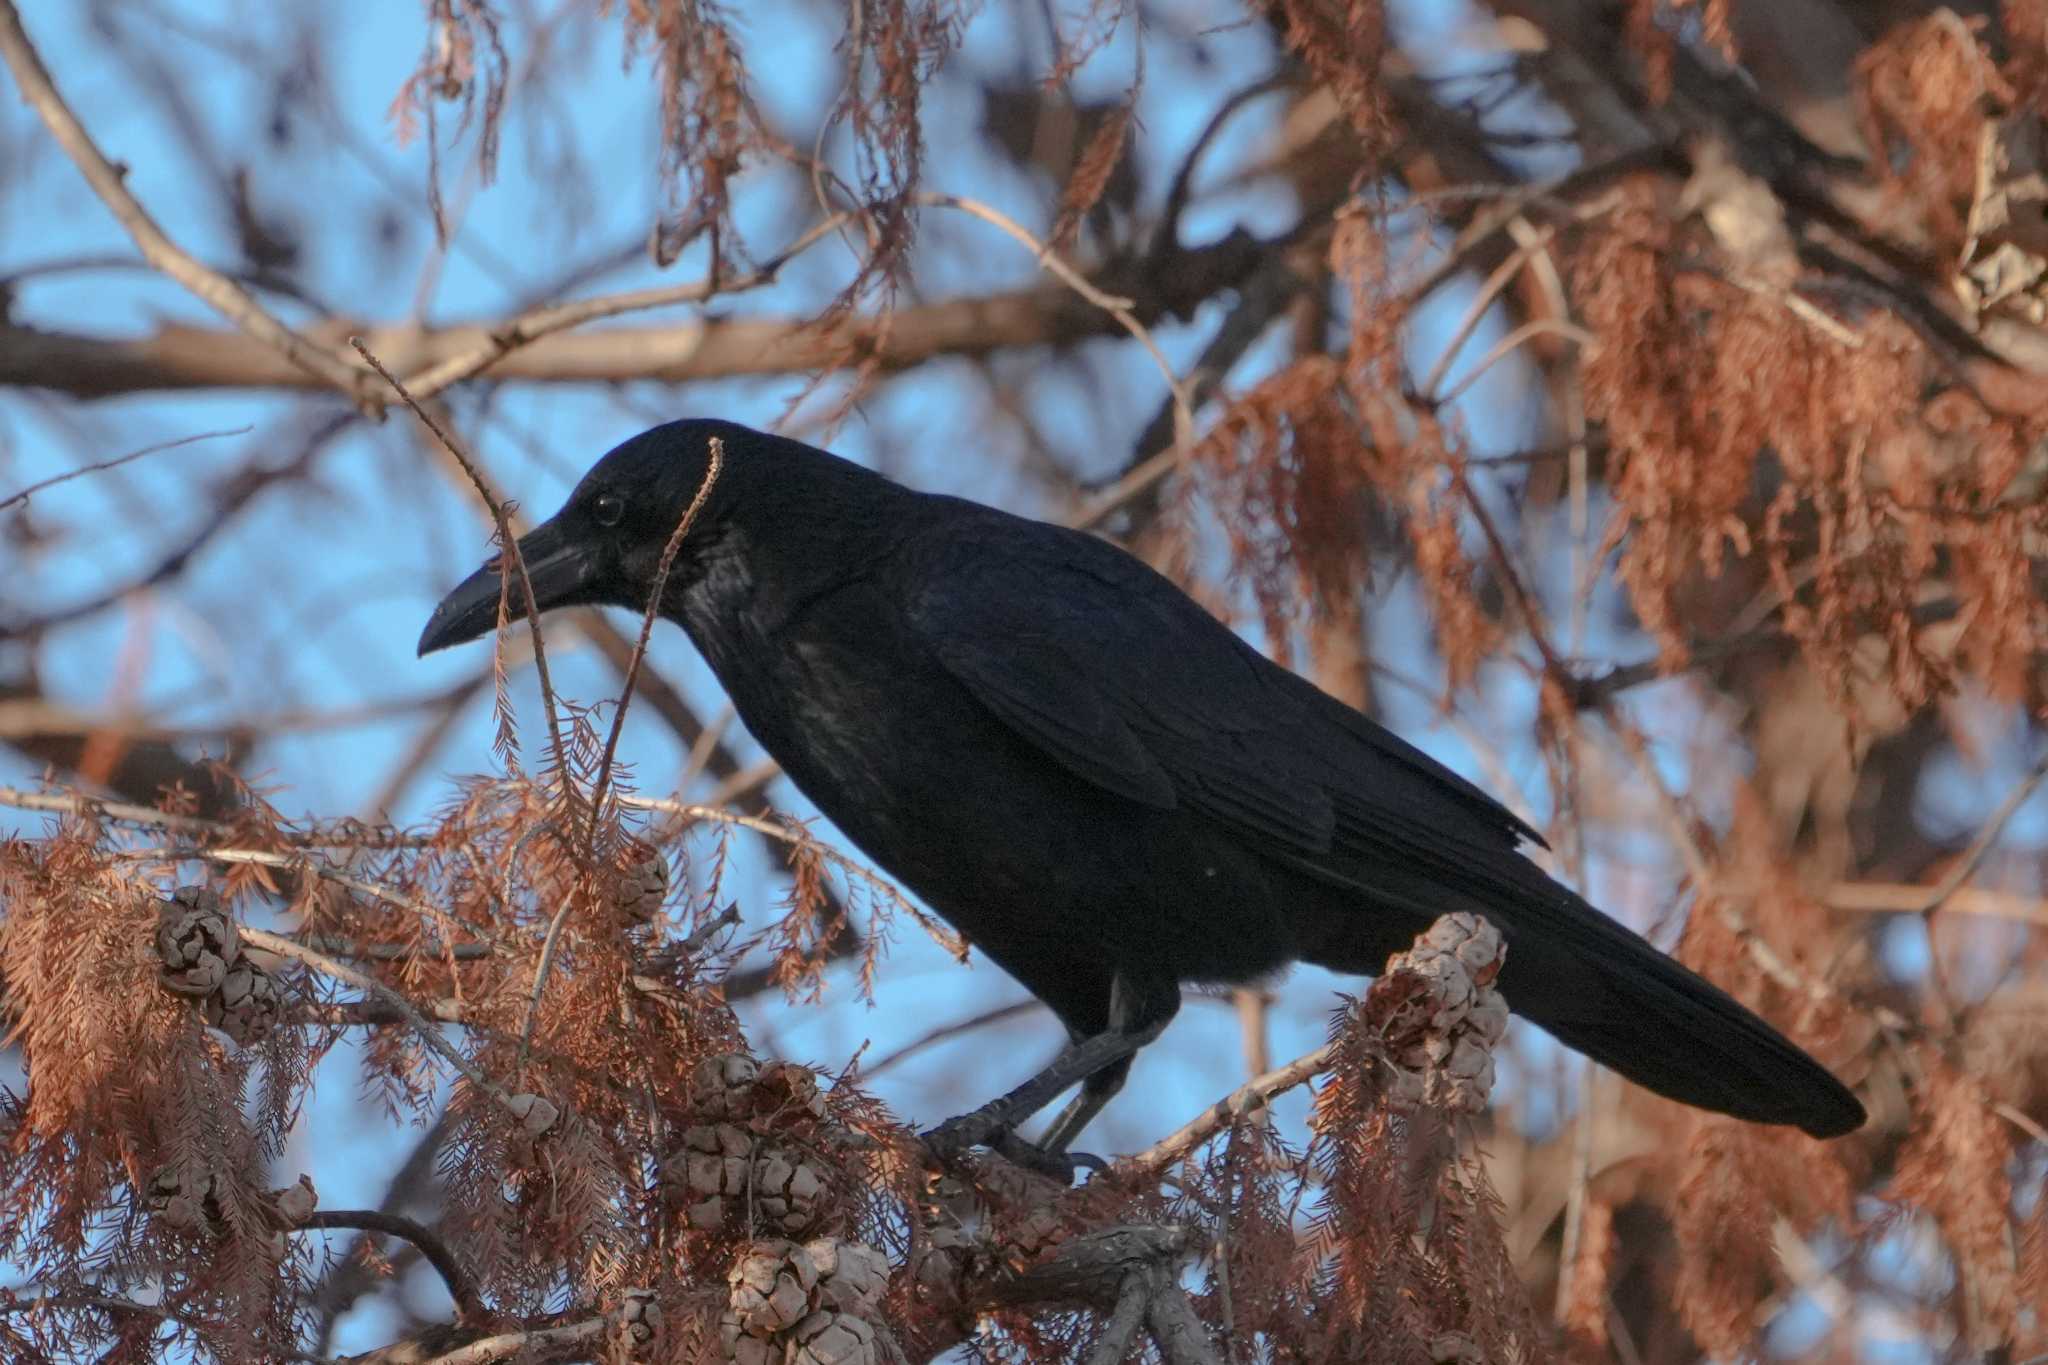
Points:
(1058, 1166)
(978, 1129)
(956, 1135)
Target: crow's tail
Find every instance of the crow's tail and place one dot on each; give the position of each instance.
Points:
(1604, 991)
(1628, 1006)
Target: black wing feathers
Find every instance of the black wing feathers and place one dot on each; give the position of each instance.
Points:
(1126, 682)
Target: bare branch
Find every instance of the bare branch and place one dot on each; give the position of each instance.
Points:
(1253, 1095)
(72, 803)
(369, 985)
(529, 1344)
(531, 326)
(183, 357)
(25, 494)
(108, 182)
(461, 1284)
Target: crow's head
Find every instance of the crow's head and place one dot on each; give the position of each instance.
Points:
(604, 547)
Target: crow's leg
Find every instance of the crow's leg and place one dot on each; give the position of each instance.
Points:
(1137, 1014)
(1097, 1091)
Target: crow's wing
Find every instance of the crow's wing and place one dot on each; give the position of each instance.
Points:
(1122, 679)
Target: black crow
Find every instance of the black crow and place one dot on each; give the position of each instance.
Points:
(1101, 786)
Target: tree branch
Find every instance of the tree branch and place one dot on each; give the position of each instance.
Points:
(529, 1344)
(461, 1284)
(1254, 1094)
(313, 362)
(184, 357)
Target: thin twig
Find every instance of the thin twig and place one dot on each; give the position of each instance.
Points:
(108, 181)
(369, 985)
(1501, 349)
(1979, 847)
(541, 969)
(73, 803)
(25, 494)
(693, 943)
(1167, 241)
(1905, 898)
(1114, 305)
(796, 836)
(302, 864)
(1001, 1013)
(1253, 1095)
(1475, 311)
(509, 548)
(461, 1284)
(715, 464)
(611, 743)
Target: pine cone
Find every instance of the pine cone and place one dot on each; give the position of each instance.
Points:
(744, 1349)
(196, 940)
(852, 1276)
(295, 1203)
(829, 1338)
(184, 1197)
(247, 1004)
(636, 1326)
(708, 1174)
(536, 1114)
(789, 1190)
(1442, 1031)
(950, 1249)
(786, 1093)
(639, 890)
(773, 1288)
(941, 1265)
(722, 1086)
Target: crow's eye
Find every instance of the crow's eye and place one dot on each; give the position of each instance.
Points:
(608, 509)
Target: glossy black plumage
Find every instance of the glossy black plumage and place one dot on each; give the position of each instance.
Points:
(1104, 788)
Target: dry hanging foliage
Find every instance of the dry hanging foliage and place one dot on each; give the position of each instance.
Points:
(609, 1142)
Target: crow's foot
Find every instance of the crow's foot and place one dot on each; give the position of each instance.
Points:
(955, 1136)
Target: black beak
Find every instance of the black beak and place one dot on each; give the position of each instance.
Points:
(562, 572)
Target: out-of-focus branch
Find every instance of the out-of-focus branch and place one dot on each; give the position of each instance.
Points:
(461, 1284)
(312, 361)
(1118, 308)
(103, 465)
(1900, 898)
(181, 357)
(531, 326)
(240, 491)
